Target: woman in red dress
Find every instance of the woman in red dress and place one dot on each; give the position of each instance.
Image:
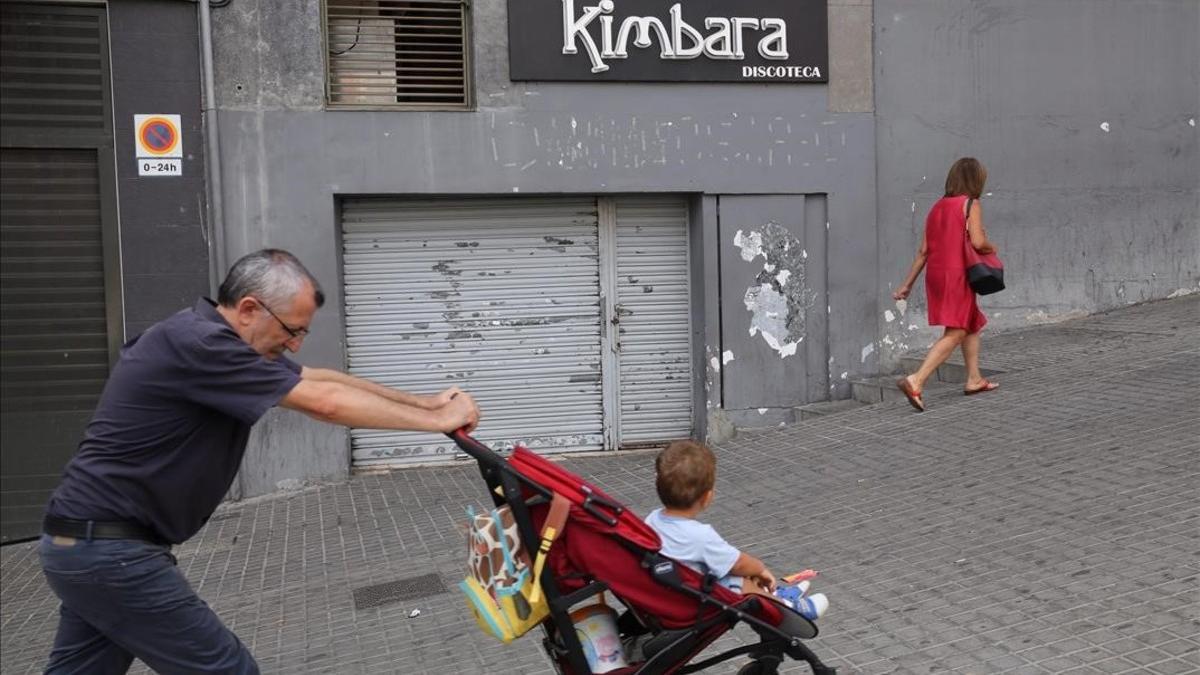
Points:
(950, 300)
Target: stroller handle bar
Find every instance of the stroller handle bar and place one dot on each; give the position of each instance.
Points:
(472, 447)
(488, 457)
(491, 460)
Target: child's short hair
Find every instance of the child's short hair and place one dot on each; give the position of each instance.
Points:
(685, 471)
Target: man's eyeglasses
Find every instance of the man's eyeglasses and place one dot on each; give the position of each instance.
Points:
(295, 333)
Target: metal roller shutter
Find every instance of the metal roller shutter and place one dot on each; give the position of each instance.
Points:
(498, 296)
(654, 310)
(60, 300)
(52, 69)
(53, 323)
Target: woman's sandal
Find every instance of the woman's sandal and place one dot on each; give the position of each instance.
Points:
(911, 393)
(987, 386)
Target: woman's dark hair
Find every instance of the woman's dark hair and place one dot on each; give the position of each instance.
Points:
(271, 275)
(966, 177)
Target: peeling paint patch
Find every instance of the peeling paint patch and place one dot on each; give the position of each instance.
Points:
(889, 316)
(762, 411)
(711, 392)
(780, 301)
(750, 244)
(845, 374)
(867, 351)
(1179, 293)
(726, 357)
(902, 306)
(1104, 126)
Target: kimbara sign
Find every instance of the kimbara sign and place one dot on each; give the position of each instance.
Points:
(668, 40)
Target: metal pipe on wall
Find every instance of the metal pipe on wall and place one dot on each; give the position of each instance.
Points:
(217, 258)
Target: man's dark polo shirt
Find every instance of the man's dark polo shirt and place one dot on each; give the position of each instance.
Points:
(171, 427)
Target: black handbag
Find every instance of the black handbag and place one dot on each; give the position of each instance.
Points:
(985, 272)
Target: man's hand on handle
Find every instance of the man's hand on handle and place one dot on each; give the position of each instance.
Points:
(458, 410)
(441, 398)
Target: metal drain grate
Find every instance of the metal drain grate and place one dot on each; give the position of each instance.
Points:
(401, 589)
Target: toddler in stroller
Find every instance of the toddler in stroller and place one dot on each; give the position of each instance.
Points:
(685, 476)
(674, 612)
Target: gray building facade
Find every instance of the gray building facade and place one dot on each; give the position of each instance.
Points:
(1084, 113)
(790, 166)
(610, 264)
(93, 253)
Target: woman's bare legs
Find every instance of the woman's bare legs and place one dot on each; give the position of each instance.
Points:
(970, 350)
(938, 353)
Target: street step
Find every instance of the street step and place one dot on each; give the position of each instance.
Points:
(823, 408)
(947, 372)
(870, 390)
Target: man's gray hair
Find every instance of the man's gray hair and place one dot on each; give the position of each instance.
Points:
(271, 275)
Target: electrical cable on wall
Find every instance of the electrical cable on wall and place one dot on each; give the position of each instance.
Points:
(357, 30)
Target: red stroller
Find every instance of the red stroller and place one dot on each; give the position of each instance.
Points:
(674, 612)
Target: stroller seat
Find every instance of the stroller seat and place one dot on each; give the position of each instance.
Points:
(674, 612)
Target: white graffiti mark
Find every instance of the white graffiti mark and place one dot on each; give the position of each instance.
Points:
(726, 357)
(867, 351)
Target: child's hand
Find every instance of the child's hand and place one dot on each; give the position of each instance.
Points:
(766, 580)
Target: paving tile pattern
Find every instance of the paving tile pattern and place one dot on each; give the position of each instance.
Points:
(1052, 526)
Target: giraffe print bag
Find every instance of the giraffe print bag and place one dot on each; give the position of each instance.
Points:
(502, 586)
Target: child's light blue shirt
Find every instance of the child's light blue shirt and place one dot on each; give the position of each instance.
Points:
(696, 545)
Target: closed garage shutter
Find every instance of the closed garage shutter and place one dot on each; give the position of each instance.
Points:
(52, 69)
(53, 325)
(653, 303)
(497, 296)
(60, 314)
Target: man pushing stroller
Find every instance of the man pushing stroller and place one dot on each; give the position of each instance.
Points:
(685, 475)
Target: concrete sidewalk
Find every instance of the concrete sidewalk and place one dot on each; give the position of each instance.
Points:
(1052, 526)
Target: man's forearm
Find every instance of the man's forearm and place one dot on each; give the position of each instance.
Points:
(327, 375)
(340, 403)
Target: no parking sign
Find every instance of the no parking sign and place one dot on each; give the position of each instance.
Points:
(159, 140)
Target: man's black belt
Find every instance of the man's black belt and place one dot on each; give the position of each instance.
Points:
(98, 529)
